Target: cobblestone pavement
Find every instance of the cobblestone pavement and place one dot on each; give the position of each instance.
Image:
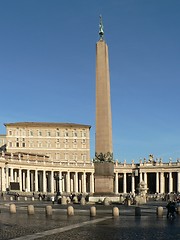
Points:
(20, 226)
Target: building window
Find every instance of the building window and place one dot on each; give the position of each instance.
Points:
(83, 133)
(58, 143)
(23, 133)
(31, 144)
(57, 156)
(48, 144)
(74, 143)
(10, 132)
(10, 144)
(48, 133)
(31, 133)
(84, 157)
(39, 133)
(66, 156)
(74, 133)
(39, 144)
(58, 134)
(66, 143)
(23, 144)
(75, 157)
(17, 144)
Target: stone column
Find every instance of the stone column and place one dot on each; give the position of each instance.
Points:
(84, 182)
(24, 180)
(44, 182)
(116, 183)
(28, 180)
(68, 182)
(32, 181)
(71, 182)
(92, 182)
(15, 175)
(178, 181)
(52, 181)
(80, 182)
(36, 180)
(145, 180)
(11, 175)
(157, 182)
(76, 182)
(3, 181)
(124, 183)
(133, 184)
(162, 182)
(64, 182)
(7, 177)
(20, 180)
(60, 181)
(140, 177)
(145, 177)
(170, 182)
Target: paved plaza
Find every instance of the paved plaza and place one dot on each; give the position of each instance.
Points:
(21, 226)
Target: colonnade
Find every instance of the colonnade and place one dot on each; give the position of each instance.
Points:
(47, 181)
(80, 180)
(159, 182)
(166, 181)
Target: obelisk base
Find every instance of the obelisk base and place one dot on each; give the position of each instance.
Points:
(104, 178)
(104, 186)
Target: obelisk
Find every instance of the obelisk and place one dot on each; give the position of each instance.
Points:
(104, 164)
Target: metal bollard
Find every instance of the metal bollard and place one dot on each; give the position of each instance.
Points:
(137, 211)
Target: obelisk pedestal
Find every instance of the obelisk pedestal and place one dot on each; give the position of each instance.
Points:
(104, 178)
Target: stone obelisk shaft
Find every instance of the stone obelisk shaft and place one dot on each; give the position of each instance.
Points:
(103, 100)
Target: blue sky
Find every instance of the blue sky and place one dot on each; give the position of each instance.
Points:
(47, 69)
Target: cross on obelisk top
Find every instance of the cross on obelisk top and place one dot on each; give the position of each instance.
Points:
(101, 28)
